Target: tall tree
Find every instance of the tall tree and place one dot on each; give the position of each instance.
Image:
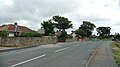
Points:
(103, 31)
(62, 23)
(80, 33)
(117, 37)
(88, 27)
(48, 26)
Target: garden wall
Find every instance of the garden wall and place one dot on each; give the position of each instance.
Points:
(27, 41)
(71, 40)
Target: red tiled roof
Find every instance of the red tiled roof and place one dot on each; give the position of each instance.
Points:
(24, 29)
(11, 27)
(0, 26)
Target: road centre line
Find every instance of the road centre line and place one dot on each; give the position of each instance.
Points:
(28, 60)
(61, 49)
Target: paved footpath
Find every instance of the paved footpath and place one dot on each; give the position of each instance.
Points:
(103, 57)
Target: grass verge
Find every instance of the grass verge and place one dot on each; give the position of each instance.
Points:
(116, 52)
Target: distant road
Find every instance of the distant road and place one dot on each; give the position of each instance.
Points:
(74, 54)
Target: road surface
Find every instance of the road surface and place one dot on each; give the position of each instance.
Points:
(74, 54)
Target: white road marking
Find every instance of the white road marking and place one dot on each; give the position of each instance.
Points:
(61, 49)
(28, 60)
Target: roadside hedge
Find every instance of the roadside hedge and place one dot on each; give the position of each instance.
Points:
(33, 34)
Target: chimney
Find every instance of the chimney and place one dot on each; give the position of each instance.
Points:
(16, 27)
(15, 23)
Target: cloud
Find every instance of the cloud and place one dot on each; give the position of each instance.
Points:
(32, 12)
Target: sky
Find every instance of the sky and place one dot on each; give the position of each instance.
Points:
(31, 13)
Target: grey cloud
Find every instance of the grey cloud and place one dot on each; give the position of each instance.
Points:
(37, 10)
(34, 10)
(91, 17)
(42, 8)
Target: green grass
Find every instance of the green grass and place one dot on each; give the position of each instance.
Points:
(116, 53)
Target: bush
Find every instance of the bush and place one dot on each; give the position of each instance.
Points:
(34, 34)
(62, 37)
(63, 34)
(50, 34)
(117, 37)
(69, 36)
(4, 33)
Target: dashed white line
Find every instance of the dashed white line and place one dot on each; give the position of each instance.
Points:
(28, 60)
(61, 49)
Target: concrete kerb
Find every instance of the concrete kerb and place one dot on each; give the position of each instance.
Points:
(91, 57)
(17, 48)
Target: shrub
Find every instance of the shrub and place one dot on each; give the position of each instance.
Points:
(4, 33)
(33, 34)
(62, 37)
(117, 37)
(63, 34)
(50, 34)
(69, 36)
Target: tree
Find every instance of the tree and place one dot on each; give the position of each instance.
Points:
(48, 26)
(117, 37)
(80, 33)
(103, 31)
(87, 27)
(62, 23)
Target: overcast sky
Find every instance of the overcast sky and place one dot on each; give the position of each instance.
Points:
(31, 13)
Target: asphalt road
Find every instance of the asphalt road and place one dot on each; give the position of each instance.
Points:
(75, 54)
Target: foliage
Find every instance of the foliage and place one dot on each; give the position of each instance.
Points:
(87, 27)
(50, 34)
(117, 36)
(63, 34)
(80, 33)
(62, 23)
(33, 34)
(4, 33)
(69, 36)
(103, 31)
(48, 26)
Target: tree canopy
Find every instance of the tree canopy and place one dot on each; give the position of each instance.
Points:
(80, 33)
(103, 31)
(117, 37)
(62, 23)
(87, 27)
(48, 26)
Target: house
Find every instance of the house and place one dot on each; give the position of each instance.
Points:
(58, 33)
(73, 34)
(14, 29)
(42, 31)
